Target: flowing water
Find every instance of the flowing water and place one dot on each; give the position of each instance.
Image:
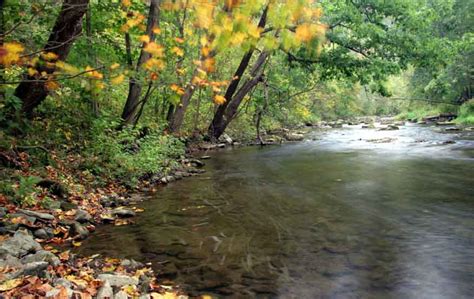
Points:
(345, 215)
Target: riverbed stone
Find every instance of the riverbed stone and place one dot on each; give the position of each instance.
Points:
(78, 230)
(83, 216)
(105, 292)
(44, 216)
(123, 213)
(121, 295)
(10, 261)
(41, 234)
(294, 137)
(41, 256)
(118, 280)
(226, 138)
(19, 245)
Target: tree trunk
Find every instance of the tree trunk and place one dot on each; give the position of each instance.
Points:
(221, 123)
(67, 28)
(131, 110)
(232, 88)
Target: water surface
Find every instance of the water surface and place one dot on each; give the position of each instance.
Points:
(349, 214)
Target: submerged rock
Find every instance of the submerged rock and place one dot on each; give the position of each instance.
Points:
(79, 231)
(123, 213)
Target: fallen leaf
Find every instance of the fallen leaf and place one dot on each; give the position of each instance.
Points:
(10, 284)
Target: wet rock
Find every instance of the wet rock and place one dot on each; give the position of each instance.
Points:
(196, 163)
(168, 179)
(205, 157)
(79, 231)
(83, 216)
(448, 142)
(41, 256)
(221, 145)
(226, 138)
(369, 126)
(41, 234)
(452, 129)
(389, 128)
(117, 280)
(43, 216)
(19, 245)
(131, 264)
(105, 292)
(123, 213)
(294, 137)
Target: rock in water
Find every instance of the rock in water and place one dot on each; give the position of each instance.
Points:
(78, 230)
(226, 138)
(83, 216)
(123, 213)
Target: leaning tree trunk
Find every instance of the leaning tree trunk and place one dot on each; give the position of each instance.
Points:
(233, 106)
(232, 88)
(131, 111)
(67, 28)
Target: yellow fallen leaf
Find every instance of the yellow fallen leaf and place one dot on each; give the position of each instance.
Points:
(76, 244)
(10, 284)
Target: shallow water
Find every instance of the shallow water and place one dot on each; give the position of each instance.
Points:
(335, 217)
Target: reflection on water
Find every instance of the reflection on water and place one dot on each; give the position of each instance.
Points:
(337, 217)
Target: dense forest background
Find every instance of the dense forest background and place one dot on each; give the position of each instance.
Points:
(121, 87)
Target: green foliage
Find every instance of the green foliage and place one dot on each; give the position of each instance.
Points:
(466, 113)
(26, 190)
(130, 154)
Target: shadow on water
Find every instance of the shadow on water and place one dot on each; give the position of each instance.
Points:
(337, 217)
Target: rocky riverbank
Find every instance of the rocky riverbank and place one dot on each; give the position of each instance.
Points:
(35, 242)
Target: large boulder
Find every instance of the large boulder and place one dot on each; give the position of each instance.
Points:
(19, 245)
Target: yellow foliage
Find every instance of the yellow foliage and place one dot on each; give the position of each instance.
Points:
(144, 38)
(209, 65)
(179, 40)
(156, 30)
(10, 284)
(93, 73)
(205, 51)
(153, 63)
(10, 53)
(52, 85)
(117, 80)
(304, 32)
(178, 51)
(126, 3)
(154, 49)
(49, 56)
(114, 66)
(32, 72)
(219, 100)
(66, 67)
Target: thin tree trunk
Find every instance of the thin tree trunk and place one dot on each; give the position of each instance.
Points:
(67, 28)
(260, 113)
(92, 59)
(232, 88)
(2, 32)
(233, 106)
(131, 108)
